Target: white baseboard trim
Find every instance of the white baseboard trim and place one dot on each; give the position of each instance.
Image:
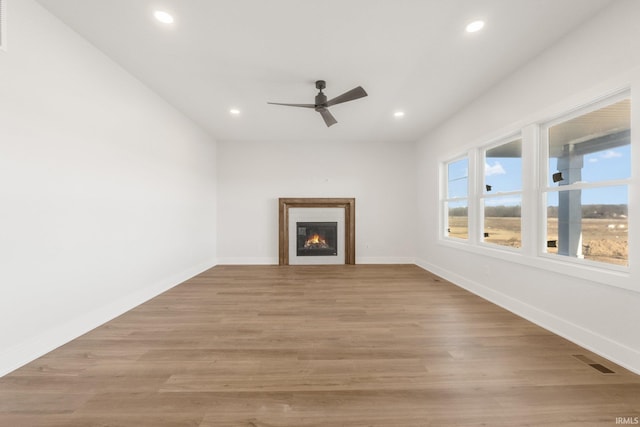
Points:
(618, 353)
(274, 261)
(32, 348)
(385, 260)
(247, 261)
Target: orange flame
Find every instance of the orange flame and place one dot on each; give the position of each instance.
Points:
(316, 241)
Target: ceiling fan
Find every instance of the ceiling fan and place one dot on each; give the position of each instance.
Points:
(321, 104)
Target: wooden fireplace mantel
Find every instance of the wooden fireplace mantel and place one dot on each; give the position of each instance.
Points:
(349, 205)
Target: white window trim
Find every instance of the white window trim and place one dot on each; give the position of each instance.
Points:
(534, 187)
(445, 200)
(545, 187)
(482, 196)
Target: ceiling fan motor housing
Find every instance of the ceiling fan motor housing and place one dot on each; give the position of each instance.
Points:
(321, 98)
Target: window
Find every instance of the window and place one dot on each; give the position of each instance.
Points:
(584, 170)
(502, 194)
(588, 157)
(456, 203)
(556, 190)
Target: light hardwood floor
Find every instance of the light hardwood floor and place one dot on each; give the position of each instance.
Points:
(361, 345)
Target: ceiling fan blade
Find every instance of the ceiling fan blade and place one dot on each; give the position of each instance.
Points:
(327, 116)
(351, 95)
(293, 105)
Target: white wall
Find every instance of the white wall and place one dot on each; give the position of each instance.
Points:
(601, 56)
(107, 194)
(252, 176)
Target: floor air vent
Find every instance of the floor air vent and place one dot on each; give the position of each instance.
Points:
(597, 366)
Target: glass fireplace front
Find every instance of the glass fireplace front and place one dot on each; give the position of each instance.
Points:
(317, 238)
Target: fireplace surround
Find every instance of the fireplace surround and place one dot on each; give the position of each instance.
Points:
(348, 204)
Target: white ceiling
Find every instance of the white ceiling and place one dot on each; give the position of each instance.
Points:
(410, 55)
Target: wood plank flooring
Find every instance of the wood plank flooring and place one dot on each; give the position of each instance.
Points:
(362, 345)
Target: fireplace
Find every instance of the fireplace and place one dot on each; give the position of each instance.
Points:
(324, 214)
(316, 238)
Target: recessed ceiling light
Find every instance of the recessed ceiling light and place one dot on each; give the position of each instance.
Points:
(475, 26)
(234, 112)
(164, 17)
(398, 114)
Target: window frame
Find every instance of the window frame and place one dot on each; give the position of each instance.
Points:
(545, 187)
(445, 200)
(534, 169)
(482, 196)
